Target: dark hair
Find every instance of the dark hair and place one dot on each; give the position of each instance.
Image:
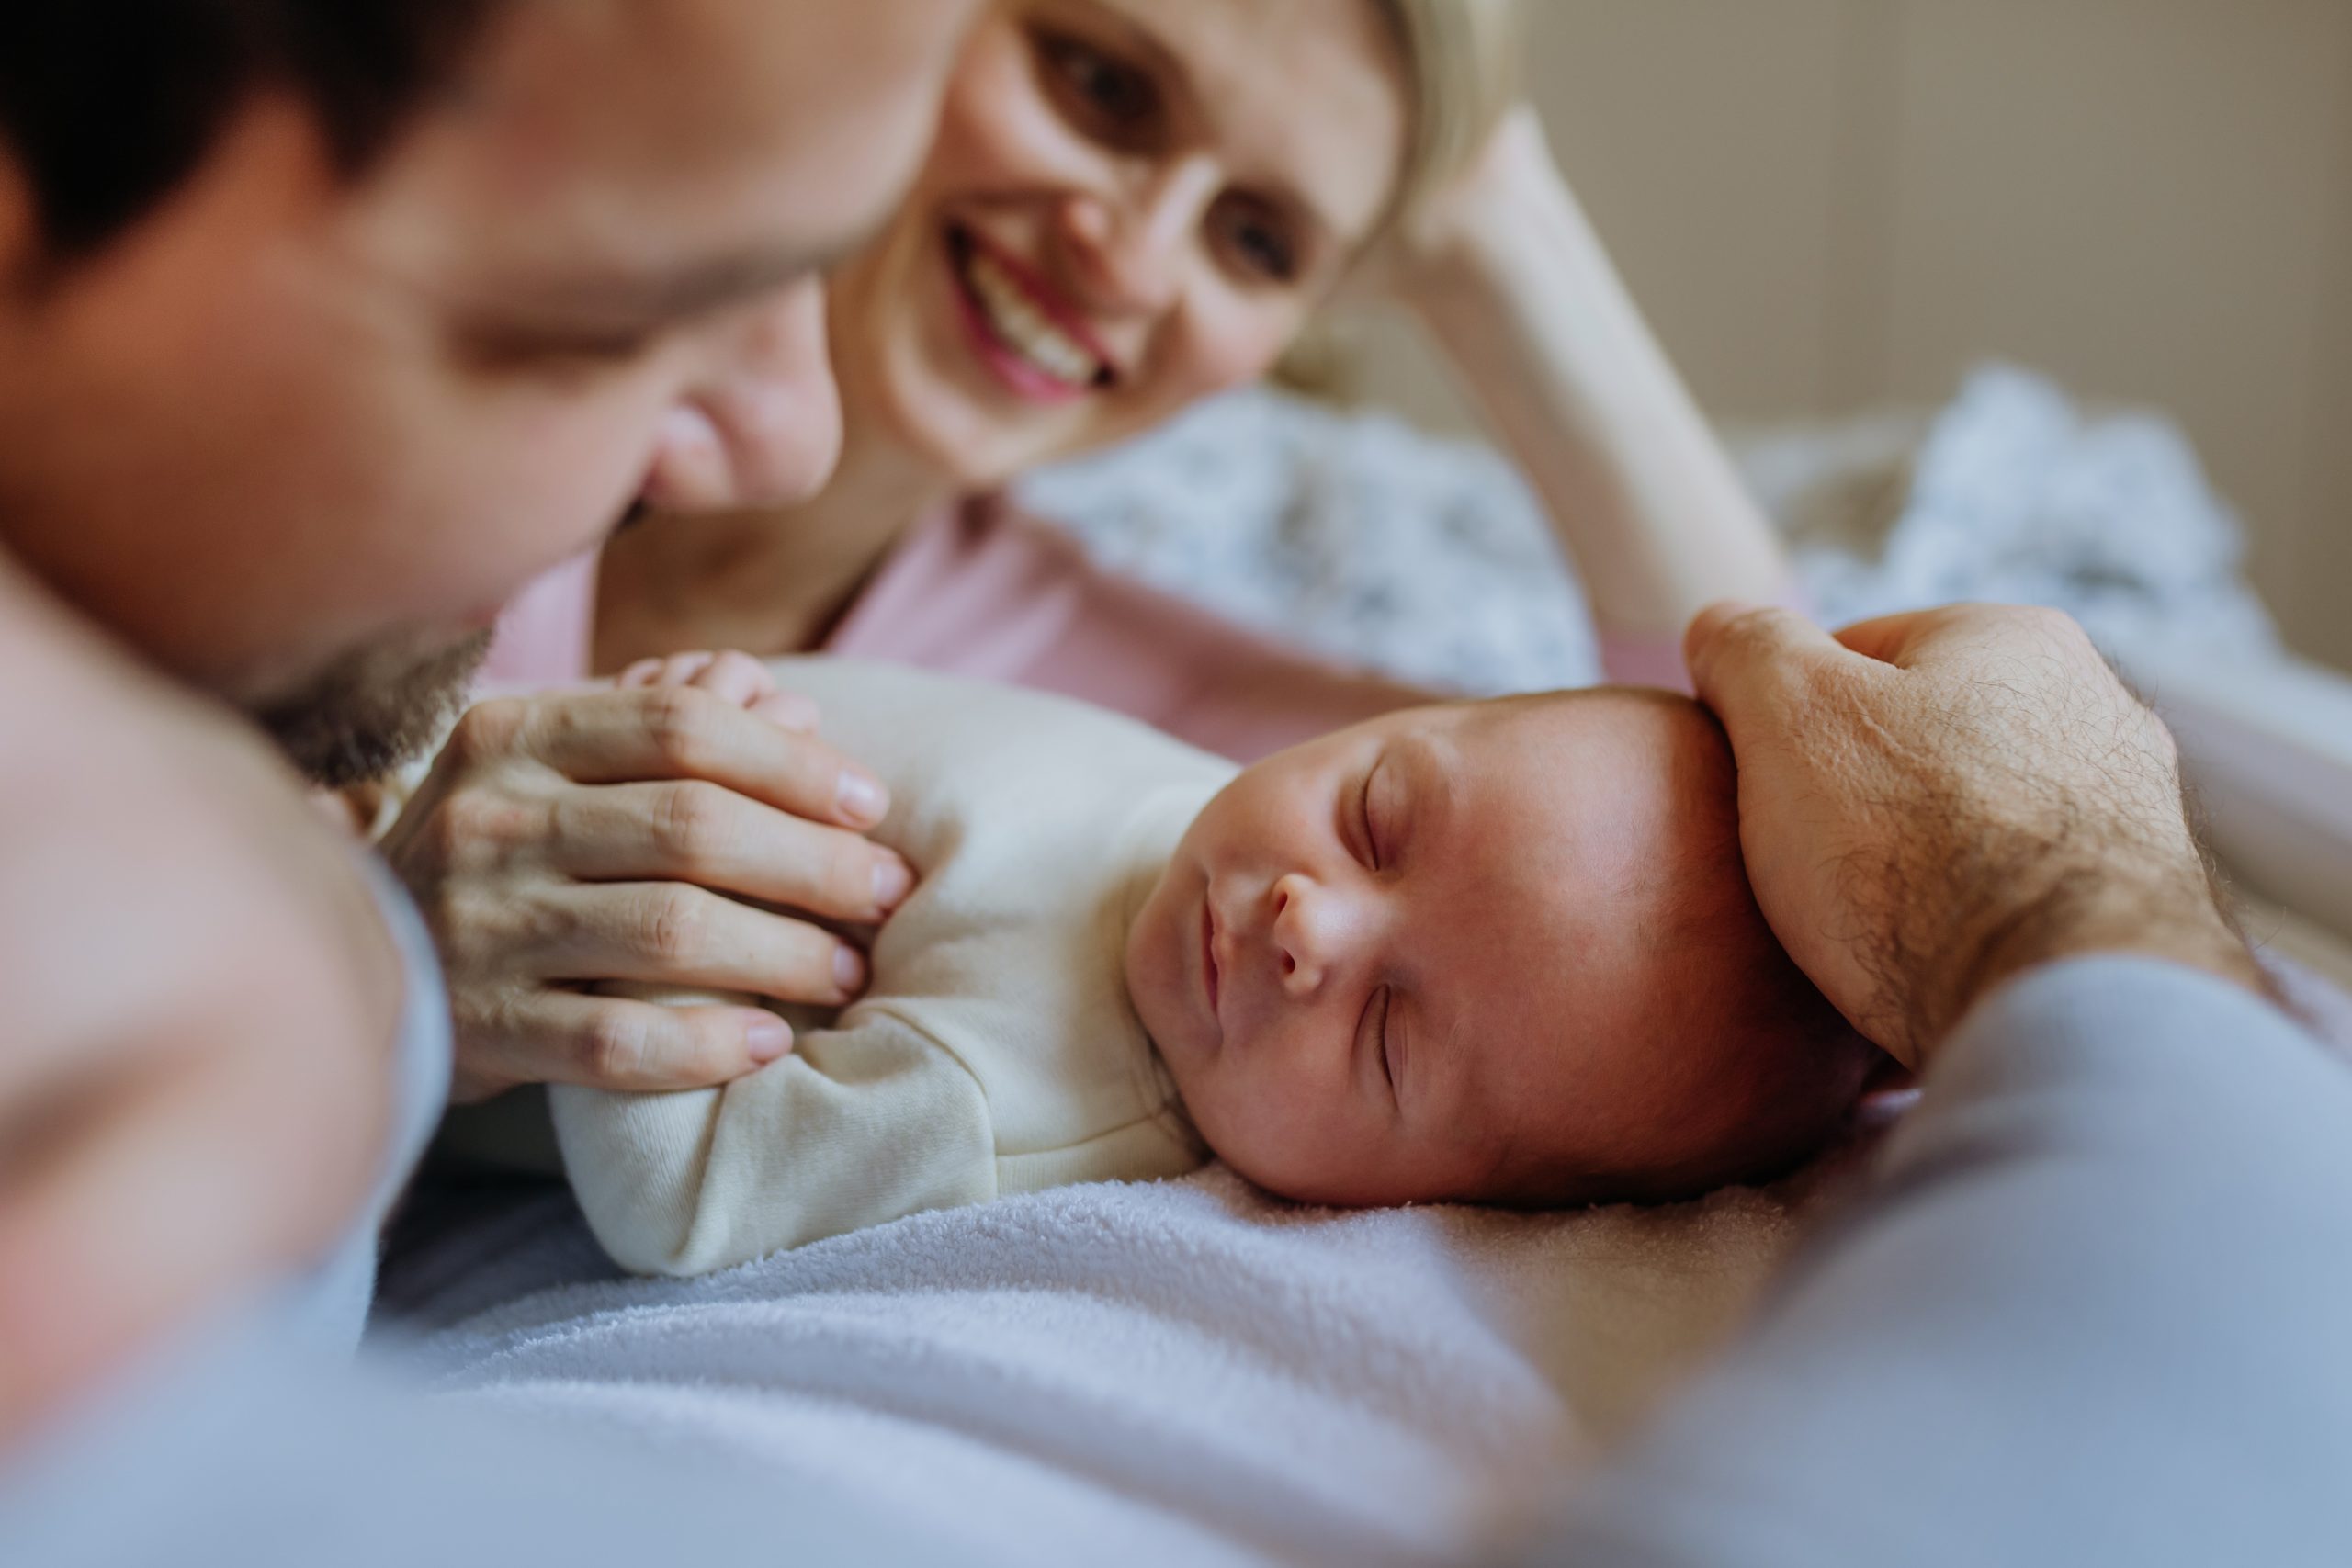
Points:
(109, 104)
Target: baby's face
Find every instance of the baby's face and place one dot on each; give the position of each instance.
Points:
(1416, 959)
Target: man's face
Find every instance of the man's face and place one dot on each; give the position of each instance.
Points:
(293, 438)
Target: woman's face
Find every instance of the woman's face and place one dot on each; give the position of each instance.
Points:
(1132, 204)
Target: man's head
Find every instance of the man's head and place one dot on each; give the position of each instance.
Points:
(324, 324)
(1501, 952)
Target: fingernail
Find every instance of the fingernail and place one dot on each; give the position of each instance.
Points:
(893, 880)
(863, 799)
(849, 970)
(768, 1038)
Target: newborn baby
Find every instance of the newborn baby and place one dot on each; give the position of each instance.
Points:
(1499, 952)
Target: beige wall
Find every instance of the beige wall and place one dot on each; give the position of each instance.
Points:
(1827, 204)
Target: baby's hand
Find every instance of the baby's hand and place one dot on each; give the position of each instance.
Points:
(737, 677)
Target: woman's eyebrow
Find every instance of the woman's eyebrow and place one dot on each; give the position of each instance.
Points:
(1162, 60)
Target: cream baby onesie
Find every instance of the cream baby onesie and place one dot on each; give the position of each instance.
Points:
(996, 1051)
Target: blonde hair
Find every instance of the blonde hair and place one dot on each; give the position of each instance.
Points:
(1462, 60)
(1461, 71)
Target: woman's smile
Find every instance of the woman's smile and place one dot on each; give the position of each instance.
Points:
(1032, 339)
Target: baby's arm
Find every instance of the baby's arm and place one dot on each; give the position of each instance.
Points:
(863, 1124)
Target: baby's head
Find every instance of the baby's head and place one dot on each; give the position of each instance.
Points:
(1495, 952)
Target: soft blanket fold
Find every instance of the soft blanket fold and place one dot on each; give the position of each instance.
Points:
(1181, 1371)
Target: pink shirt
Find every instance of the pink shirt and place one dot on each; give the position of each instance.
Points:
(983, 592)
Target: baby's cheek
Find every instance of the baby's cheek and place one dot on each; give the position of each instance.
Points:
(1251, 1125)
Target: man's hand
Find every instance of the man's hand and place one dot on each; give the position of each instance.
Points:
(202, 998)
(642, 836)
(1932, 803)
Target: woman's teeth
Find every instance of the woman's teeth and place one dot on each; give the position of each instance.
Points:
(1016, 320)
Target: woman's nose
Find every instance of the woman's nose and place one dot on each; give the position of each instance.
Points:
(1128, 247)
(761, 424)
(1315, 930)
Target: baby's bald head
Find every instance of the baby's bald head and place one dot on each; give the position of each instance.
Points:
(1724, 1061)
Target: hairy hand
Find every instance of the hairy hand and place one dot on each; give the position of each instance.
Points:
(1933, 802)
(569, 847)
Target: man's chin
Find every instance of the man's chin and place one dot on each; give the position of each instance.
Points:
(372, 710)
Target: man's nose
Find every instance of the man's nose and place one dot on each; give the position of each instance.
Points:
(761, 425)
(1317, 932)
(1128, 246)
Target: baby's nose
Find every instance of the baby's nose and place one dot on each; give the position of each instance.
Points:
(1311, 932)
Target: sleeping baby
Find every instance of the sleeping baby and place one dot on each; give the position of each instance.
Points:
(1498, 953)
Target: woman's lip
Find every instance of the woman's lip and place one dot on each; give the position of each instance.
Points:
(1011, 367)
(1059, 311)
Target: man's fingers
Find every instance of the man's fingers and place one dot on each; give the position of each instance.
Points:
(638, 1047)
(1913, 639)
(712, 837)
(1900, 639)
(1743, 656)
(680, 733)
(670, 934)
(1886, 638)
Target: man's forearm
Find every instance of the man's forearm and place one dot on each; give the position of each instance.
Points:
(2092, 1312)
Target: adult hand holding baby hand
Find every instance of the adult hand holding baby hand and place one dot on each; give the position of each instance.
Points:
(1931, 803)
(583, 838)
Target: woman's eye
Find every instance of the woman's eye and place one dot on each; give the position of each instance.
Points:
(1115, 94)
(1363, 813)
(1258, 242)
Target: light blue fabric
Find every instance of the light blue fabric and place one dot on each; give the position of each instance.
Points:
(242, 1453)
(329, 1309)
(2093, 1311)
(2098, 1310)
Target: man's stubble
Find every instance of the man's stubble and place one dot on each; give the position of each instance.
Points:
(368, 712)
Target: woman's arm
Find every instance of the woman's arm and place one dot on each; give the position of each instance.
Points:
(1508, 275)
